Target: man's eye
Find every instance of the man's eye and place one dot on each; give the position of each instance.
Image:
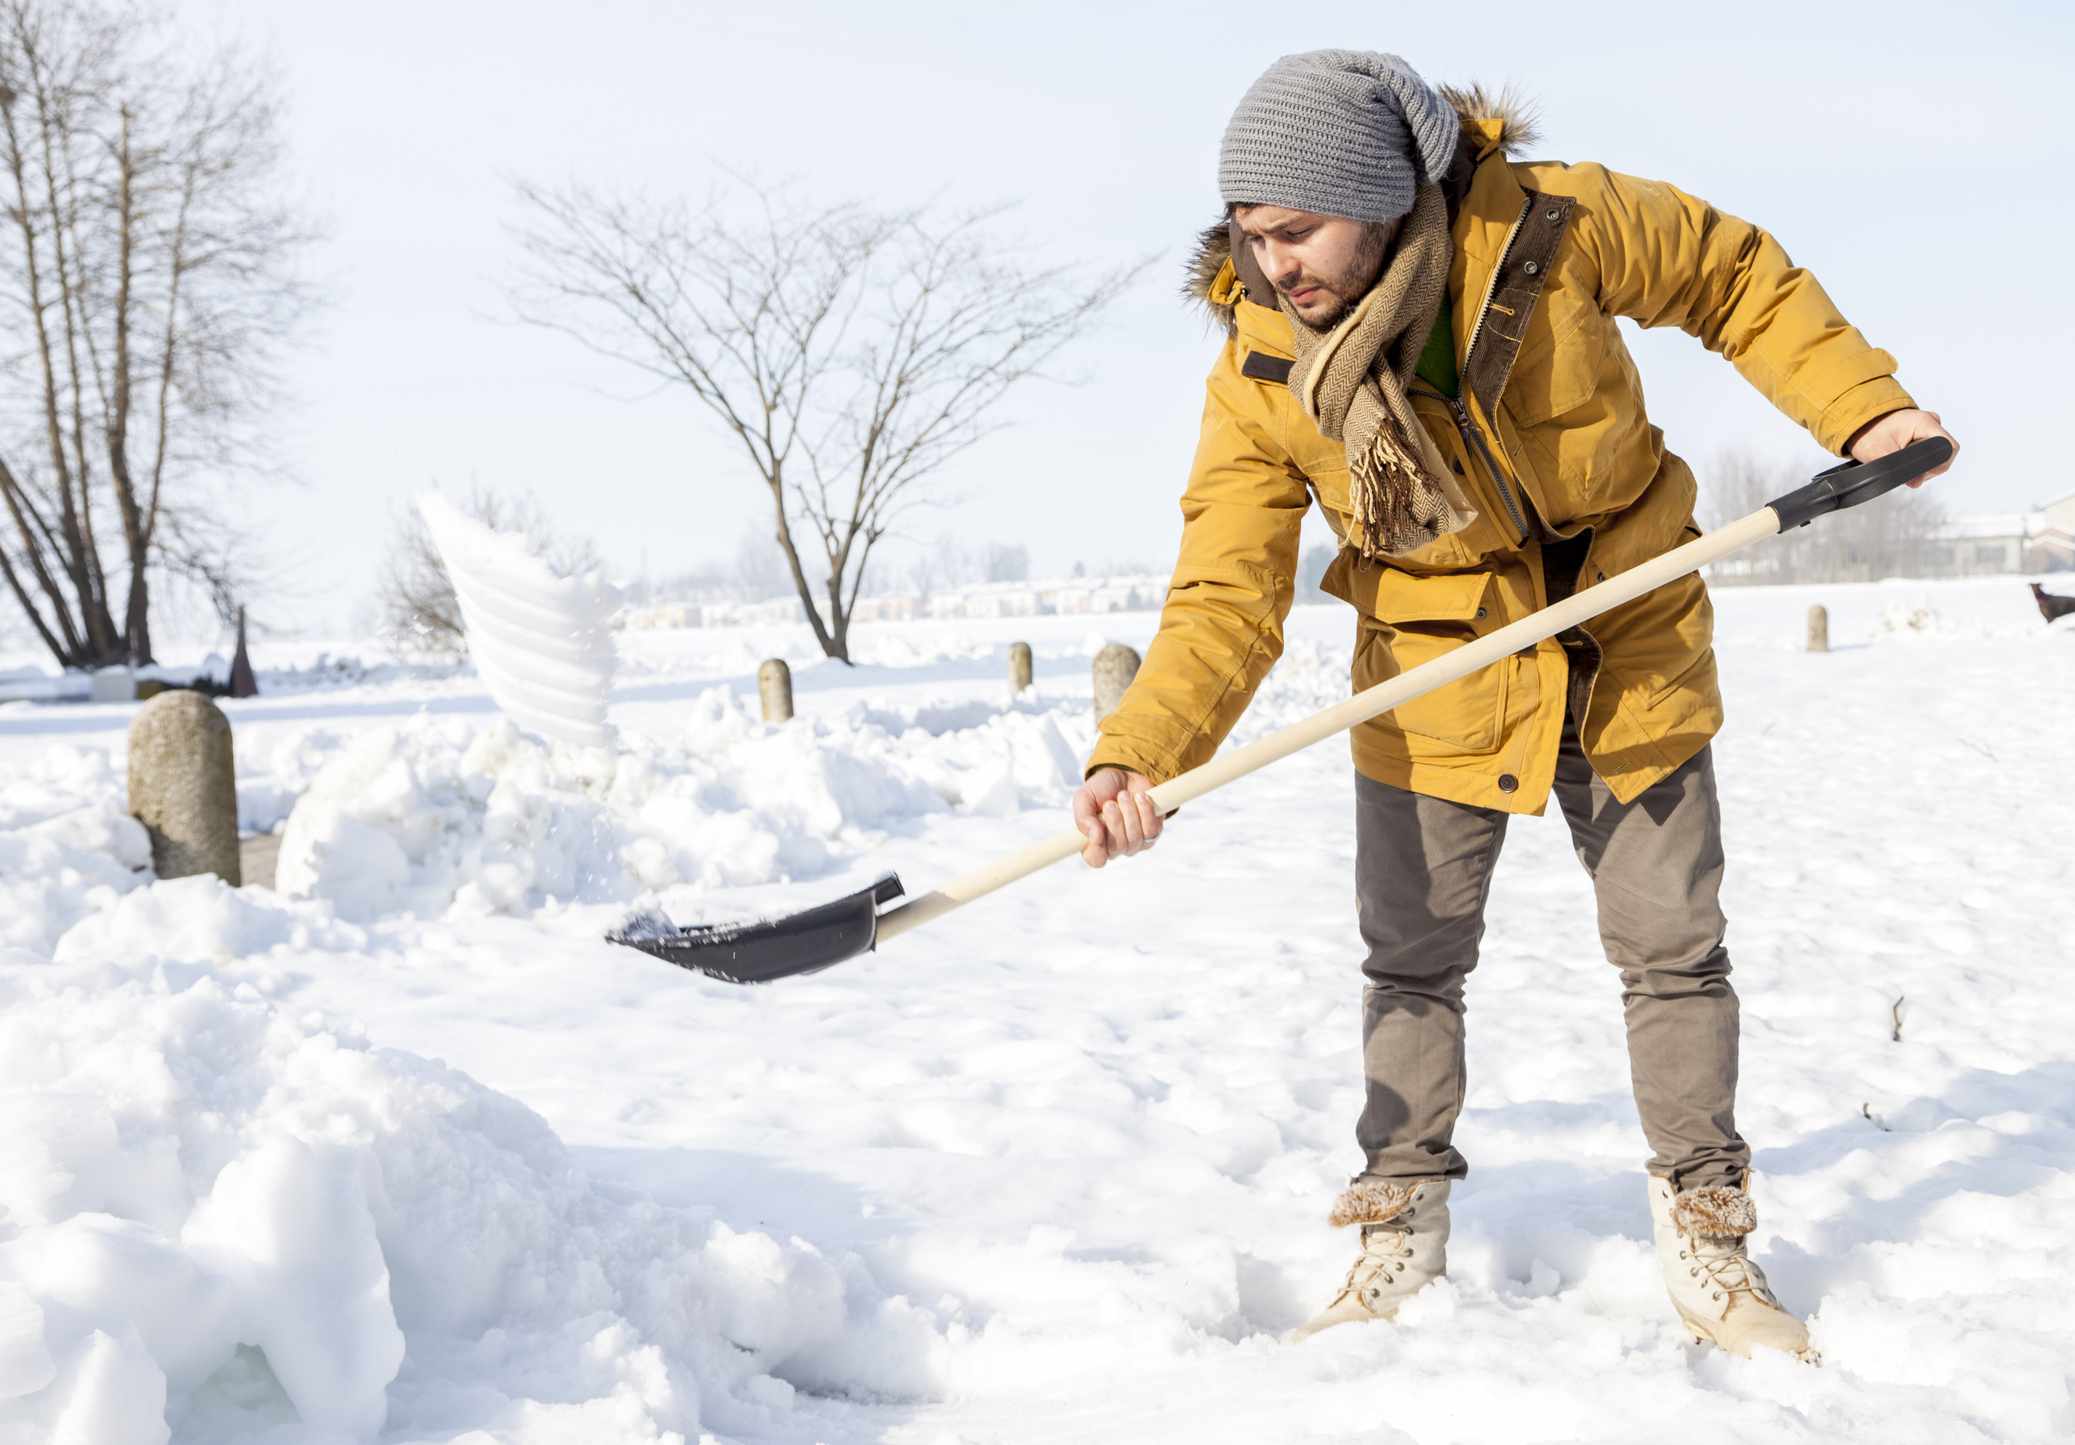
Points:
(1295, 235)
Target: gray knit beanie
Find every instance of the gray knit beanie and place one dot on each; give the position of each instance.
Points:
(1337, 132)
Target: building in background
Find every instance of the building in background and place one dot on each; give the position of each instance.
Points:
(1985, 544)
(2060, 529)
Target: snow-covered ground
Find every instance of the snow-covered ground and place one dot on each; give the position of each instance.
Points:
(405, 1152)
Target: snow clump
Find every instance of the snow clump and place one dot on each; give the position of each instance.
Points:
(67, 847)
(222, 1221)
(452, 813)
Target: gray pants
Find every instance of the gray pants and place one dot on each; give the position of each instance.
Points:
(1423, 870)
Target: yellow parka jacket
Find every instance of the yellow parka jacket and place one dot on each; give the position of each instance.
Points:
(1548, 435)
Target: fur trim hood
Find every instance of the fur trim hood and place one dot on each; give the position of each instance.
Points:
(1518, 128)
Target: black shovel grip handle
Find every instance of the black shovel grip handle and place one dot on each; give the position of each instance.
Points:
(1849, 483)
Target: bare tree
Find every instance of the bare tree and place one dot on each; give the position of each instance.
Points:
(1006, 562)
(951, 562)
(1311, 570)
(1735, 484)
(850, 352)
(1889, 538)
(760, 571)
(150, 263)
(415, 598)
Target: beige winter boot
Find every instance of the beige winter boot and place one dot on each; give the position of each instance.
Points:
(1404, 1247)
(1717, 1289)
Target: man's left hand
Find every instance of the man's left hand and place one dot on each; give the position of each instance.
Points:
(1896, 430)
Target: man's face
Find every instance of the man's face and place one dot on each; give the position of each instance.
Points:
(1322, 264)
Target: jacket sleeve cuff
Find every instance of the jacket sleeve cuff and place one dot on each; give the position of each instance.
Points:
(1117, 752)
(1860, 404)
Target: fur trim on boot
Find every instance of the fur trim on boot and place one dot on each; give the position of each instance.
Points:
(1720, 1211)
(1370, 1201)
(1404, 1229)
(1722, 1296)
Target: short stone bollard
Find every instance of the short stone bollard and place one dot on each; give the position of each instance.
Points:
(775, 689)
(1019, 666)
(1818, 629)
(183, 786)
(1115, 666)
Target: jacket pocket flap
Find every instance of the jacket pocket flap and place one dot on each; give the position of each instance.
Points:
(1390, 595)
(1456, 597)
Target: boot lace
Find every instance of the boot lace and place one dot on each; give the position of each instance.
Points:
(1724, 1263)
(1385, 1252)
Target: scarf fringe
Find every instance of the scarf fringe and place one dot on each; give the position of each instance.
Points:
(1350, 379)
(1383, 481)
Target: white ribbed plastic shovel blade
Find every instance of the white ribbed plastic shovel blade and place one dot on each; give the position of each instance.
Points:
(542, 643)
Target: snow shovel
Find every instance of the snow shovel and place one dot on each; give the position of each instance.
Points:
(760, 951)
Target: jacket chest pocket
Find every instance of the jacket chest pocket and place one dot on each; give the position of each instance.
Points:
(1558, 368)
(1575, 417)
(1408, 620)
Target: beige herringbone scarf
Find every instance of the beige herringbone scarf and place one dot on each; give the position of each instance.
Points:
(1351, 378)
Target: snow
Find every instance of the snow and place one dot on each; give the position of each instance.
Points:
(405, 1152)
(541, 642)
(67, 847)
(246, 1211)
(443, 813)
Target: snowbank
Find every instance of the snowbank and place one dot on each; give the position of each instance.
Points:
(225, 1217)
(67, 847)
(451, 813)
(275, 767)
(1089, 1129)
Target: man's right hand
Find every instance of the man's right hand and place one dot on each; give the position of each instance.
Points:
(1115, 812)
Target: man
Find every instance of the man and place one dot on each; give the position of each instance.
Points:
(1421, 338)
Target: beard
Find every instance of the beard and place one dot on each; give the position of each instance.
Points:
(1338, 292)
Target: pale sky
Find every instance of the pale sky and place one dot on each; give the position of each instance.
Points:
(1911, 155)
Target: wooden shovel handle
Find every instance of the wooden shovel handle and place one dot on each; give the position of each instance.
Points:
(1371, 702)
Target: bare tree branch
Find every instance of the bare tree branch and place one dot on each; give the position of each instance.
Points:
(1863, 544)
(852, 353)
(154, 267)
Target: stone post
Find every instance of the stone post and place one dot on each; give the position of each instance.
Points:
(1019, 666)
(1818, 629)
(775, 689)
(183, 786)
(1115, 666)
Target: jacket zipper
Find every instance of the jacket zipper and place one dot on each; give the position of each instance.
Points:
(1473, 439)
(1473, 442)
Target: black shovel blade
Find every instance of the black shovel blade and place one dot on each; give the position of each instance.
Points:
(764, 949)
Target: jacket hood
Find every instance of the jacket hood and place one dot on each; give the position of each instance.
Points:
(1502, 122)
